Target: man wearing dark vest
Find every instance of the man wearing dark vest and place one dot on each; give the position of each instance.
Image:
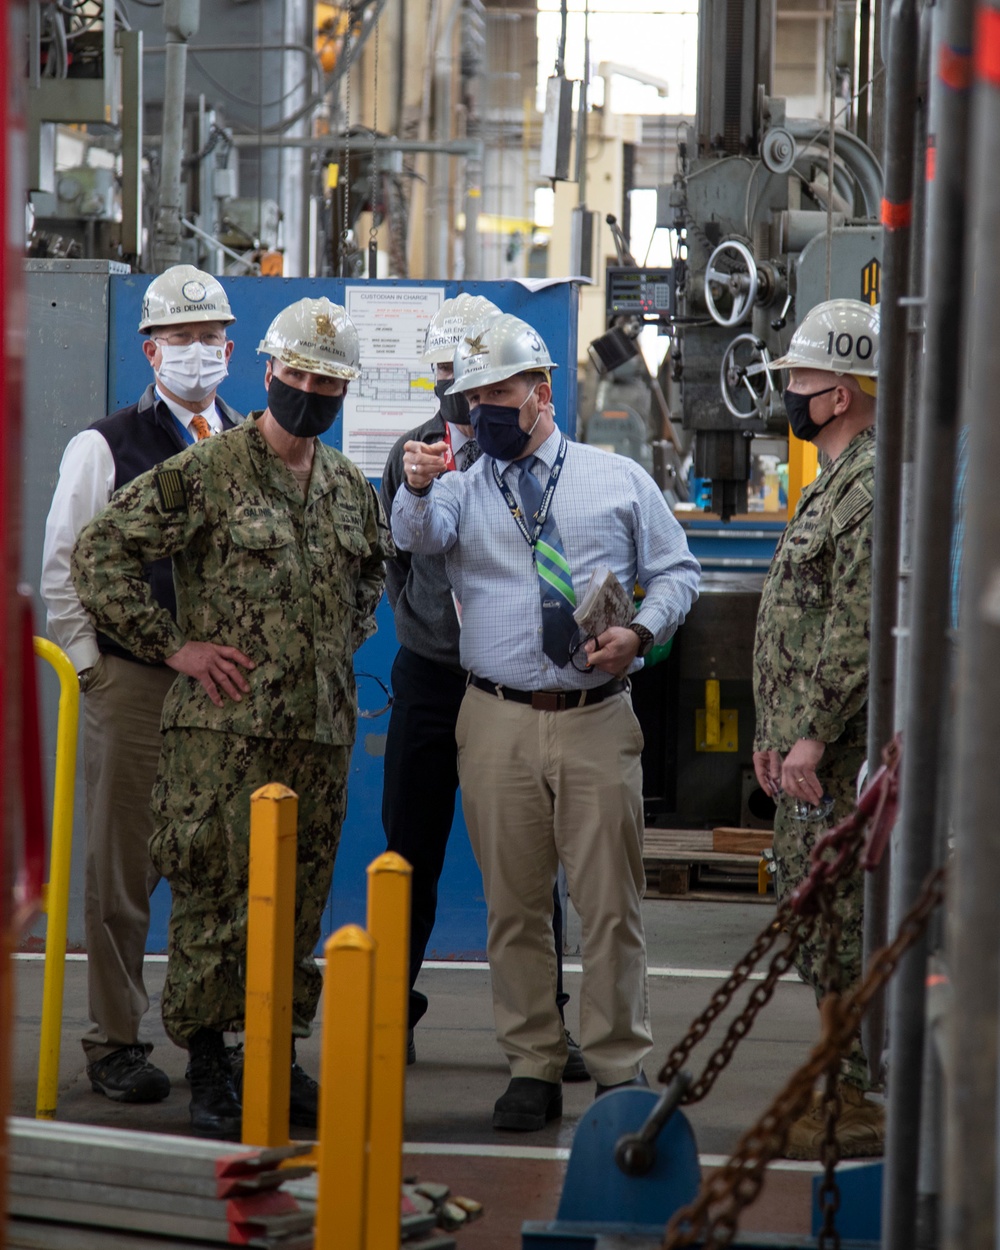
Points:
(185, 313)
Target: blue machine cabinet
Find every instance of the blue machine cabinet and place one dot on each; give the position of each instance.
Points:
(461, 921)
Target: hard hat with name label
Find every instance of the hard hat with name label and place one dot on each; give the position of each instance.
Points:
(495, 350)
(449, 323)
(316, 336)
(183, 294)
(837, 336)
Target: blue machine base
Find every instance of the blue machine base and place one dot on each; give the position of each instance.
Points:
(598, 1198)
(600, 1205)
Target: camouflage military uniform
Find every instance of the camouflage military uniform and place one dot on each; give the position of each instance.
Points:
(293, 582)
(811, 678)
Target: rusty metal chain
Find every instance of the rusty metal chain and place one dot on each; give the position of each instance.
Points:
(829, 1194)
(798, 929)
(836, 855)
(713, 1217)
(830, 970)
(846, 840)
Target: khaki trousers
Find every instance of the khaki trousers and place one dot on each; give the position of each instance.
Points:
(540, 788)
(121, 748)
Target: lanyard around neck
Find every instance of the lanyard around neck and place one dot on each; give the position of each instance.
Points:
(543, 512)
(450, 463)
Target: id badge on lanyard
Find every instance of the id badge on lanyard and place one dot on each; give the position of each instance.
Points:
(449, 455)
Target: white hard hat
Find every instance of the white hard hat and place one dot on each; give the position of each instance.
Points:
(450, 322)
(837, 336)
(495, 350)
(182, 294)
(317, 336)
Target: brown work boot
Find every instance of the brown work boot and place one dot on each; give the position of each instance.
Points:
(860, 1128)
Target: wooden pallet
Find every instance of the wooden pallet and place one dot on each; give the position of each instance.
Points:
(685, 861)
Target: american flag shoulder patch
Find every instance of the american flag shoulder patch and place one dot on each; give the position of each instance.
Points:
(852, 507)
(170, 488)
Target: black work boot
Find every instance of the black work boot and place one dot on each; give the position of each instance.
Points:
(303, 1092)
(527, 1105)
(575, 1069)
(215, 1108)
(126, 1075)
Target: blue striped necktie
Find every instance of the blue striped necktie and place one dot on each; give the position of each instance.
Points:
(555, 580)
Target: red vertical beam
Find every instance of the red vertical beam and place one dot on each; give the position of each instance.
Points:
(12, 327)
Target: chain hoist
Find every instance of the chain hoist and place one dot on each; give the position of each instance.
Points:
(712, 1219)
(836, 855)
(373, 230)
(345, 234)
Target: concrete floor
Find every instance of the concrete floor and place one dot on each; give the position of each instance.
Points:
(460, 1071)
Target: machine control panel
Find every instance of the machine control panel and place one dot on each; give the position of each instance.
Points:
(647, 293)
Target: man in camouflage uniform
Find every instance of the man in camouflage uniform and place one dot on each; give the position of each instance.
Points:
(278, 544)
(811, 658)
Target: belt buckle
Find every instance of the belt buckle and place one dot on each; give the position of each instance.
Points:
(547, 701)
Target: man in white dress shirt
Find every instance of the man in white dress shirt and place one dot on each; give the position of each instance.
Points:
(548, 745)
(185, 313)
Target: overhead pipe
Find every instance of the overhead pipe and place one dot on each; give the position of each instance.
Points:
(439, 197)
(293, 163)
(857, 156)
(180, 21)
(361, 143)
(968, 159)
(474, 33)
(916, 850)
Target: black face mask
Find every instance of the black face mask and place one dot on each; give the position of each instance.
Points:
(454, 408)
(498, 428)
(304, 414)
(797, 407)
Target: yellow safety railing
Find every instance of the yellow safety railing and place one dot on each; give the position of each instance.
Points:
(55, 901)
(803, 466)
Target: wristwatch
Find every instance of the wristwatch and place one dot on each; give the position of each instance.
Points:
(645, 637)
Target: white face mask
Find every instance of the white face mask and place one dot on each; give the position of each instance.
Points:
(192, 373)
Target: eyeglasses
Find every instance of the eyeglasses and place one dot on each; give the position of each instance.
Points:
(579, 657)
(215, 338)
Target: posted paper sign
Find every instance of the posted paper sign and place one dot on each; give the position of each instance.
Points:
(396, 390)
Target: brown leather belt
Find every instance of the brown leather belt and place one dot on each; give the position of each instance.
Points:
(552, 700)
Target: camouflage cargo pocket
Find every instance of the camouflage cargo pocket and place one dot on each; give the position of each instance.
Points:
(188, 843)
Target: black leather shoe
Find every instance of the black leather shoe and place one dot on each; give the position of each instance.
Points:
(638, 1082)
(126, 1075)
(575, 1069)
(215, 1108)
(528, 1105)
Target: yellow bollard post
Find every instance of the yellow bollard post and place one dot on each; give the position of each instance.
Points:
(389, 924)
(713, 715)
(803, 466)
(56, 898)
(345, 1091)
(267, 1062)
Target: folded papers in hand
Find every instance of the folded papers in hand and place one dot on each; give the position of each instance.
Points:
(605, 603)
